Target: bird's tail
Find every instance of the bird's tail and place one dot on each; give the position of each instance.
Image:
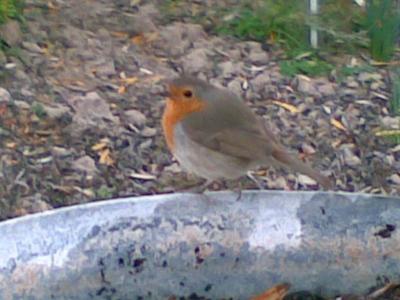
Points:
(297, 165)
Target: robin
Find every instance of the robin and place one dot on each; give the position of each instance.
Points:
(213, 134)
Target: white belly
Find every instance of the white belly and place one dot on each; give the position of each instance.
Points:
(204, 162)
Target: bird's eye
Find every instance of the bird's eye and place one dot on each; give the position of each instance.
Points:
(188, 94)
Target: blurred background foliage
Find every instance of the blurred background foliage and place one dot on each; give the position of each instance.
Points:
(344, 28)
(10, 9)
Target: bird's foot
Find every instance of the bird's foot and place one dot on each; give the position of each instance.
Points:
(254, 179)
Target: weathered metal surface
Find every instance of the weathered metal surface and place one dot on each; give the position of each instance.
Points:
(183, 244)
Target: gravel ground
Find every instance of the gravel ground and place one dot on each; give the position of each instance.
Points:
(80, 109)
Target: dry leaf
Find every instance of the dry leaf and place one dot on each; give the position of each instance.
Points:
(120, 34)
(381, 96)
(138, 39)
(129, 80)
(105, 157)
(122, 90)
(11, 145)
(142, 176)
(101, 145)
(146, 71)
(338, 124)
(154, 79)
(277, 292)
(287, 106)
(3, 109)
(87, 192)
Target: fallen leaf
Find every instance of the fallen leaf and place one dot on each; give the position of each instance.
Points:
(87, 192)
(381, 96)
(277, 292)
(338, 124)
(101, 145)
(287, 106)
(120, 34)
(44, 160)
(105, 157)
(142, 176)
(138, 39)
(129, 80)
(146, 71)
(122, 90)
(154, 79)
(305, 180)
(11, 145)
(3, 109)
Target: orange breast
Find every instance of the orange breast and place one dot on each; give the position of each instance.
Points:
(175, 111)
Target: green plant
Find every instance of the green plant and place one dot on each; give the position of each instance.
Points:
(310, 67)
(104, 192)
(280, 20)
(383, 23)
(353, 70)
(395, 102)
(38, 110)
(10, 9)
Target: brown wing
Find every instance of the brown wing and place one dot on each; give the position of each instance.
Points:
(230, 127)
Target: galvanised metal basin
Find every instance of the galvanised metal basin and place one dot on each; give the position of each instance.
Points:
(209, 246)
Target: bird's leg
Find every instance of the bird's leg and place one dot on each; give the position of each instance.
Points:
(239, 191)
(253, 178)
(199, 189)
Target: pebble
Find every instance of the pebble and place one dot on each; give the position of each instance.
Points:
(135, 117)
(4, 95)
(85, 164)
(148, 132)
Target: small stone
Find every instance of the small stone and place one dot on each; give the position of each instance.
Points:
(135, 117)
(279, 183)
(376, 85)
(33, 204)
(56, 110)
(395, 178)
(11, 33)
(4, 95)
(149, 132)
(235, 86)
(305, 85)
(260, 83)
(146, 144)
(327, 89)
(178, 37)
(364, 77)
(196, 61)
(391, 122)
(350, 159)
(305, 180)
(60, 151)
(327, 109)
(10, 66)
(22, 104)
(91, 111)
(307, 149)
(352, 84)
(27, 93)
(105, 69)
(85, 164)
(32, 47)
(228, 68)
(255, 53)
(174, 168)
